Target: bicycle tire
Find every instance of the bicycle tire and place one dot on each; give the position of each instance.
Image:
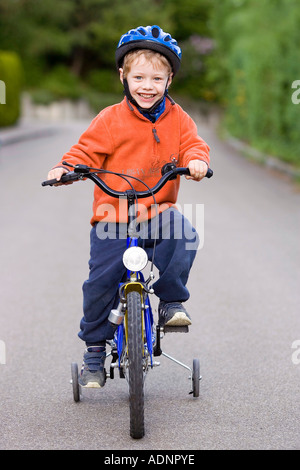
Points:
(75, 384)
(196, 377)
(135, 343)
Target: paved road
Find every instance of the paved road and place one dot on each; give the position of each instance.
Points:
(245, 308)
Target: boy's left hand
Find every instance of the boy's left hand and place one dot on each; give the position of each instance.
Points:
(198, 170)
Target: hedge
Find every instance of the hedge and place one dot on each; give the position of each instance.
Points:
(11, 82)
(258, 45)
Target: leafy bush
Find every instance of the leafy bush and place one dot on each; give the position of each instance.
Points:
(259, 60)
(193, 78)
(100, 90)
(105, 81)
(11, 75)
(61, 83)
(98, 100)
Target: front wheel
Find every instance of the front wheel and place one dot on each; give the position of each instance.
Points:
(135, 342)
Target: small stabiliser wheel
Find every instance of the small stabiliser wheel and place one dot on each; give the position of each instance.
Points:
(196, 377)
(75, 384)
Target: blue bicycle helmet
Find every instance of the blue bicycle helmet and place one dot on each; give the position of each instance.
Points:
(149, 37)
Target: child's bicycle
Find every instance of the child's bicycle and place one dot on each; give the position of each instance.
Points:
(137, 338)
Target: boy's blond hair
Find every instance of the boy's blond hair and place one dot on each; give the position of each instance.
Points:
(151, 56)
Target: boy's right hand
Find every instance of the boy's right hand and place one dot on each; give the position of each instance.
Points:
(57, 173)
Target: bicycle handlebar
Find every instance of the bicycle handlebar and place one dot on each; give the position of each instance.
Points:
(82, 171)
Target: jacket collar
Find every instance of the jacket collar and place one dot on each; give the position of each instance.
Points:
(169, 103)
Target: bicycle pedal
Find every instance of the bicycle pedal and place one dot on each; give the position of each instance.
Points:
(176, 329)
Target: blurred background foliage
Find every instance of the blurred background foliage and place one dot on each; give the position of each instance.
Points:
(11, 75)
(239, 55)
(257, 60)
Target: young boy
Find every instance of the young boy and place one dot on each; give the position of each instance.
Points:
(137, 136)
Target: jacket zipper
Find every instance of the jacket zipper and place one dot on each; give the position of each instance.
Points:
(155, 135)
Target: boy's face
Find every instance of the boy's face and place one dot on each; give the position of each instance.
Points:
(147, 81)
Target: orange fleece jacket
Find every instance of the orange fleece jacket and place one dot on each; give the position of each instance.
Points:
(121, 139)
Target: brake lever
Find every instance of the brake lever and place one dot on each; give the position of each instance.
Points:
(79, 168)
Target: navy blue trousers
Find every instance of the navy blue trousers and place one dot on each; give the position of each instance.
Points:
(176, 248)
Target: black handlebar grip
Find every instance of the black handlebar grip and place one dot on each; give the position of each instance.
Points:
(49, 182)
(186, 171)
(209, 173)
(71, 176)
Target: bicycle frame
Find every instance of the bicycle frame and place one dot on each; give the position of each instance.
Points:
(135, 281)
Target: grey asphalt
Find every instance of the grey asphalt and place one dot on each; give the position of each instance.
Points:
(244, 303)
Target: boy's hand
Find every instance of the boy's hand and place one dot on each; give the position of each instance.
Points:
(57, 173)
(198, 170)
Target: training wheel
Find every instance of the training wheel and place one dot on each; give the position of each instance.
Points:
(75, 384)
(196, 378)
